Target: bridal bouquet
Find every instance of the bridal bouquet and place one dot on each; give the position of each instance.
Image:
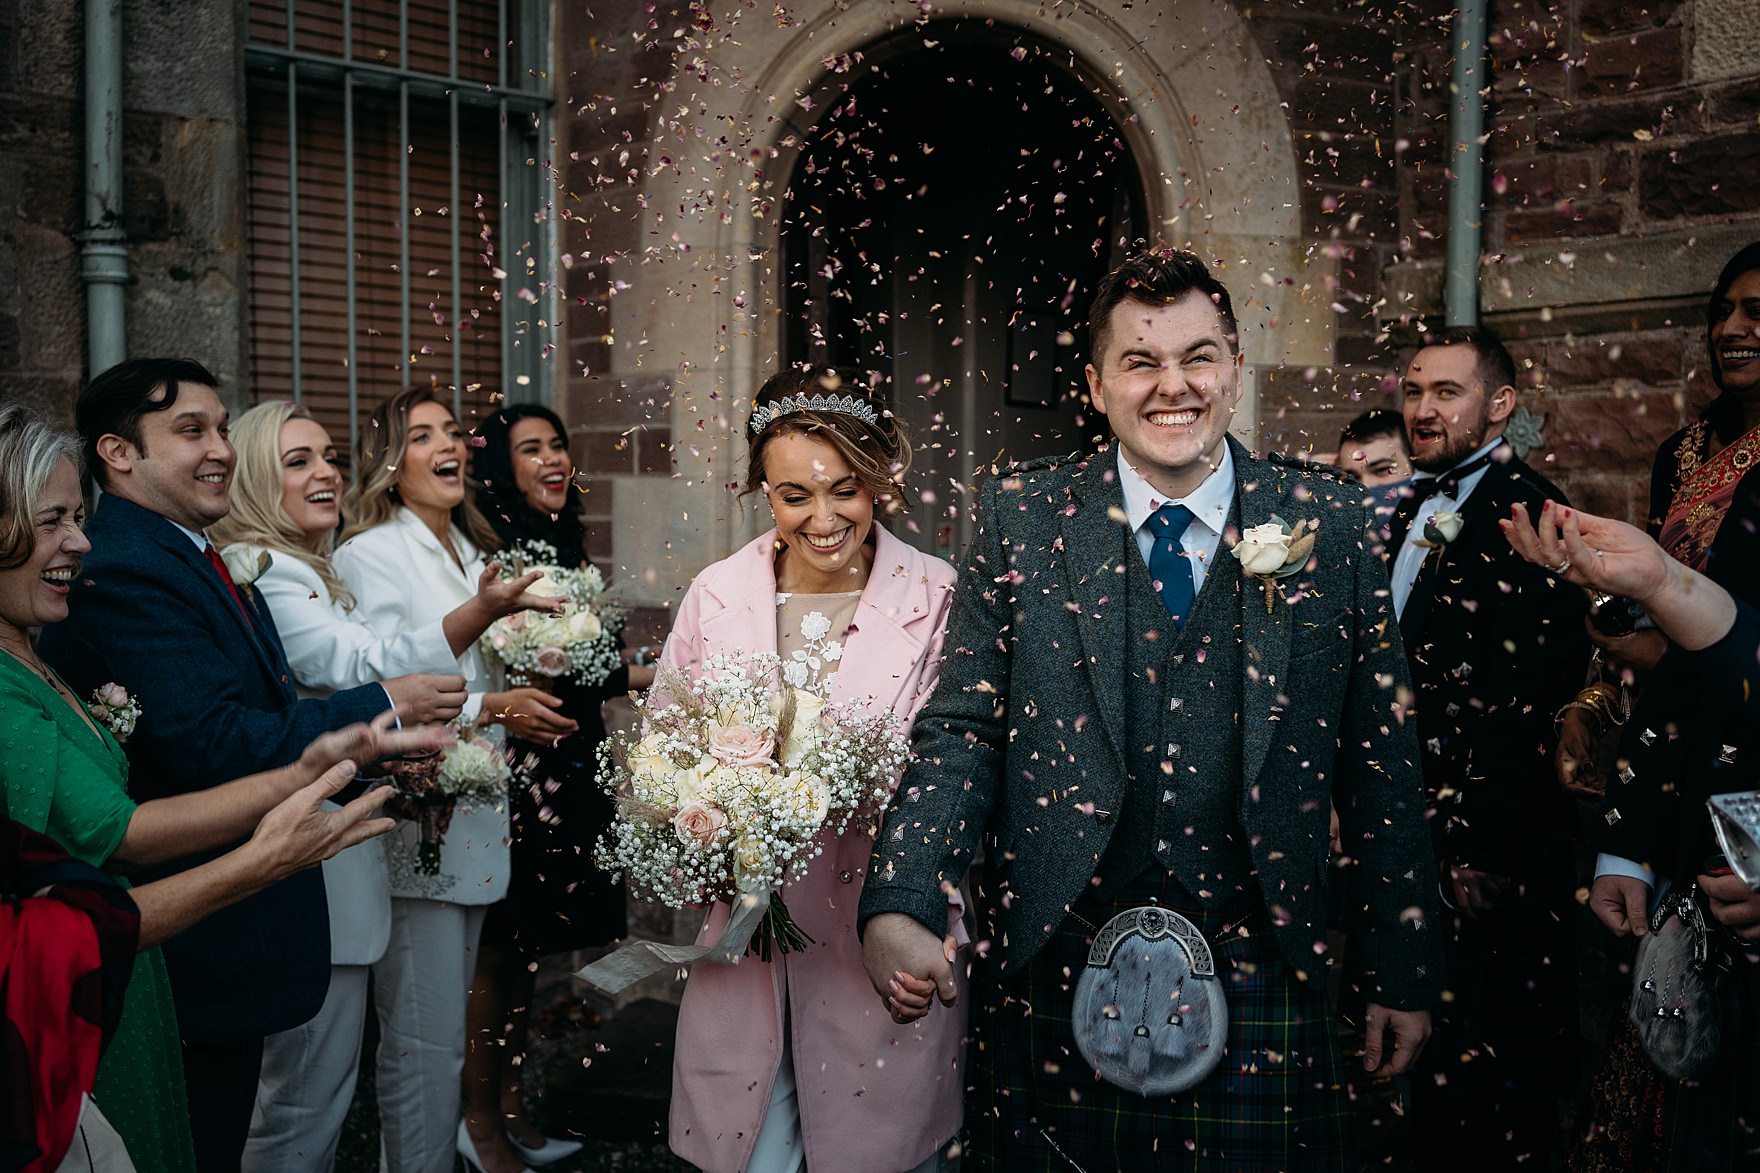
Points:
(430, 785)
(579, 643)
(726, 791)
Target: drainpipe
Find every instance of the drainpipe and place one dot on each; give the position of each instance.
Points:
(103, 250)
(1466, 189)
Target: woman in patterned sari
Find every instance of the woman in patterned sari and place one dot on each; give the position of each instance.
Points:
(1705, 511)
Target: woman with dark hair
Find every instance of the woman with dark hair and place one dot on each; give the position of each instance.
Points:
(557, 900)
(1654, 829)
(791, 1062)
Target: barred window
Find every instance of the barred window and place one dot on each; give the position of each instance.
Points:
(397, 226)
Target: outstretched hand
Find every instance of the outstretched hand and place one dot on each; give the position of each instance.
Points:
(370, 741)
(1590, 551)
(906, 964)
(300, 833)
(501, 597)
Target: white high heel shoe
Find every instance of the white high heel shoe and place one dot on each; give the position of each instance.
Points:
(554, 1149)
(467, 1148)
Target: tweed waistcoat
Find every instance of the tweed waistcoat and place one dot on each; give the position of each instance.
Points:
(1182, 743)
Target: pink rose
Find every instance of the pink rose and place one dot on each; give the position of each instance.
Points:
(741, 745)
(698, 823)
(551, 661)
(500, 641)
(113, 695)
(516, 622)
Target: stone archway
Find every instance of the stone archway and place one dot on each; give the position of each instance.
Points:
(1186, 85)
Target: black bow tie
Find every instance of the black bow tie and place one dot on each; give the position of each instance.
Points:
(1449, 483)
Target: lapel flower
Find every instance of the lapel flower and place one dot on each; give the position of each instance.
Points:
(115, 710)
(1440, 528)
(1273, 551)
(245, 564)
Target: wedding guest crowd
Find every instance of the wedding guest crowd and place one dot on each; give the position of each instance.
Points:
(1178, 710)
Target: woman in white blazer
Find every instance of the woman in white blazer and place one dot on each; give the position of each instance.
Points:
(414, 548)
(285, 502)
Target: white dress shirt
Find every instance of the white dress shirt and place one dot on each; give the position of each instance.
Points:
(1410, 559)
(1209, 503)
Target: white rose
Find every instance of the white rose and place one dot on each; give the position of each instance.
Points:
(546, 587)
(807, 708)
(1263, 549)
(1443, 526)
(812, 796)
(584, 626)
(245, 564)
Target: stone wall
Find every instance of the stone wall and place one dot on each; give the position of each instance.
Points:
(1619, 133)
(183, 210)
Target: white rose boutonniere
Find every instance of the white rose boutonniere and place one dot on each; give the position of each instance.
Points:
(115, 710)
(245, 564)
(1274, 551)
(1440, 528)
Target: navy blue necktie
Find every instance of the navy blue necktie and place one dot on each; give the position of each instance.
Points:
(1168, 563)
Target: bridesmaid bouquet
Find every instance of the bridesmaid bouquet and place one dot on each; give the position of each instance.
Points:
(579, 643)
(727, 790)
(430, 785)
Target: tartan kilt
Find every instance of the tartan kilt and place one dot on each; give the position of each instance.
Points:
(1276, 1104)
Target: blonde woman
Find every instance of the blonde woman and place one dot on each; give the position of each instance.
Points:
(286, 498)
(414, 548)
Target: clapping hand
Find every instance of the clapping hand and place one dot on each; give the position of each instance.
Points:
(299, 832)
(371, 741)
(502, 597)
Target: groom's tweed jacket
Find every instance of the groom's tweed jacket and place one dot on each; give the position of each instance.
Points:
(1025, 741)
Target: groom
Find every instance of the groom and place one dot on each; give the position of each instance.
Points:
(1127, 717)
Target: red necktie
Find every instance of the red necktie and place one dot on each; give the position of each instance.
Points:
(219, 564)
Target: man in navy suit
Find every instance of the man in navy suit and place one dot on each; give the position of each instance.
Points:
(157, 612)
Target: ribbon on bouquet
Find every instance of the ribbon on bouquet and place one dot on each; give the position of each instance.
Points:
(636, 960)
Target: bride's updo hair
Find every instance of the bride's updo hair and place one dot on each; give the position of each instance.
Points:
(879, 452)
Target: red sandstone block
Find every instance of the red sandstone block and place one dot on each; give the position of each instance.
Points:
(1628, 63)
(1567, 219)
(1655, 359)
(1706, 177)
(1608, 432)
(1601, 17)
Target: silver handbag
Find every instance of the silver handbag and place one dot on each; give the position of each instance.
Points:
(1149, 1013)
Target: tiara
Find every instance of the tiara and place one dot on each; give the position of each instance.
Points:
(789, 404)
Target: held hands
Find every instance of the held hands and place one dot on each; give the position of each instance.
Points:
(425, 699)
(529, 714)
(498, 598)
(1409, 1030)
(372, 741)
(906, 965)
(299, 833)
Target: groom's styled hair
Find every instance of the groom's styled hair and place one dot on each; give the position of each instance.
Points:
(1156, 277)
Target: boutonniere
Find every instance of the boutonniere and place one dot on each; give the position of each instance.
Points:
(1440, 528)
(245, 565)
(115, 710)
(1273, 552)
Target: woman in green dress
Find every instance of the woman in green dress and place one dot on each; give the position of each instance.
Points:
(63, 773)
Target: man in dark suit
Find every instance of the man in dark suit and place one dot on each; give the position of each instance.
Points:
(157, 612)
(1129, 715)
(1496, 645)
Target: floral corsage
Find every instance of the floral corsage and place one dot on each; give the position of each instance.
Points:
(1440, 528)
(115, 710)
(1273, 551)
(245, 564)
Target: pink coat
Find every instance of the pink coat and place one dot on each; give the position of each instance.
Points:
(875, 1097)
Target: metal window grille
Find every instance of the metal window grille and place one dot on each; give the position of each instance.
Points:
(397, 232)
